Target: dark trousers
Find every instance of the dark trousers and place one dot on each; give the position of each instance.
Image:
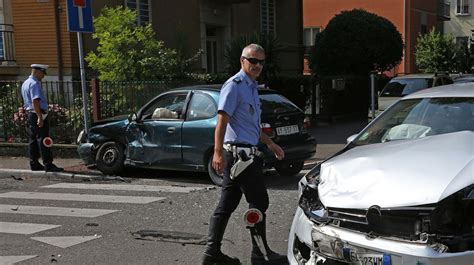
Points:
(250, 183)
(37, 134)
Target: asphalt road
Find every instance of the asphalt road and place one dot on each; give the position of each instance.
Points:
(145, 217)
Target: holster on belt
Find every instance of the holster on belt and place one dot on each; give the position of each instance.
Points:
(242, 163)
(243, 157)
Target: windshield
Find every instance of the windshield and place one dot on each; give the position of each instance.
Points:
(275, 103)
(417, 118)
(402, 87)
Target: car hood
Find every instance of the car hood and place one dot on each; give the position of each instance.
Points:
(399, 173)
(111, 119)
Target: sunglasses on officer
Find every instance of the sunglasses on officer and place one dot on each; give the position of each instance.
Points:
(254, 60)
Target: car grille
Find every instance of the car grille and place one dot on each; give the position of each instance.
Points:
(402, 222)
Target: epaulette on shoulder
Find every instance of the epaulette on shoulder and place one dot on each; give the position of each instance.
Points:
(237, 79)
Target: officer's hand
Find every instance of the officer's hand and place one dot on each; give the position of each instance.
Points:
(276, 149)
(218, 163)
(40, 122)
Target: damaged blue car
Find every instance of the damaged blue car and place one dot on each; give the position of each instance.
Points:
(175, 131)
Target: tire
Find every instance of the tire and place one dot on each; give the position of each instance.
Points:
(215, 177)
(289, 168)
(110, 158)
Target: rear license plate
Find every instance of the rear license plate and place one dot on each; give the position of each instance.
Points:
(287, 130)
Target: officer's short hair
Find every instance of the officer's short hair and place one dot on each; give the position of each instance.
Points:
(252, 48)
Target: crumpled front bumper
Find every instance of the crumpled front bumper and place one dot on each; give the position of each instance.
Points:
(309, 243)
(86, 153)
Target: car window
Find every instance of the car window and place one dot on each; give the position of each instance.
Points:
(275, 103)
(402, 87)
(447, 81)
(417, 118)
(201, 107)
(168, 106)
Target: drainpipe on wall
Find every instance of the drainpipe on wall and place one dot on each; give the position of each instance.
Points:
(59, 51)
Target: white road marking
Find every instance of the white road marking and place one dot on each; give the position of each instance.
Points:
(65, 241)
(56, 211)
(7, 260)
(80, 197)
(24, 228)
(123, 187)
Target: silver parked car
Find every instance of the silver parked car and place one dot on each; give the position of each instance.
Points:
(403, 85)
(400, 192)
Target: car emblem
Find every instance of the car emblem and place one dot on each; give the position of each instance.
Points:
(374, 214)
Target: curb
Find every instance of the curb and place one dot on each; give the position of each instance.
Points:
(21, 174)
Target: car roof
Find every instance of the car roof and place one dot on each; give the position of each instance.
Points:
(410, 76)
(452, 90)
(217, 87)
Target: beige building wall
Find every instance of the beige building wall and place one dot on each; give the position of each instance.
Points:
(461, 26)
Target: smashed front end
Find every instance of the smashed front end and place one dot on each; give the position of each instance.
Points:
(439, 233)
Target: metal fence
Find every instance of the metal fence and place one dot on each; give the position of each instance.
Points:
(65, 111)
(66, 116)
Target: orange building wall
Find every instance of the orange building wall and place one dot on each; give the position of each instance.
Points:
(317, 13)
(35, 35)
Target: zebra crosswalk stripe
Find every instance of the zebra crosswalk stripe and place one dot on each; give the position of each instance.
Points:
(80, 197)
(7, 260)
(124, 187)
(24, 228)
(55, 211)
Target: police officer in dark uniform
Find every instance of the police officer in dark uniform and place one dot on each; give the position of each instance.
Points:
(37, 108)
(238, 128)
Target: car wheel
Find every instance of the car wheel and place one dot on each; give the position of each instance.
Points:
(289, 168)
(110, 158)
(216, 178)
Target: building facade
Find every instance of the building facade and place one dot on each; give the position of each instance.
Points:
(461, 25)
(37, 31)
(410, 17)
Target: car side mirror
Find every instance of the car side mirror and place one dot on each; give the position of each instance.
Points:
(351, 138)
(132, 117)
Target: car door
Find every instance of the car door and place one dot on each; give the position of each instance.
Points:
(198, 129)
(154, 139)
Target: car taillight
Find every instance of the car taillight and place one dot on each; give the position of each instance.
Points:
(306, 124)
(267, 129)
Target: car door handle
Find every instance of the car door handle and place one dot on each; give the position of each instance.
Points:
(171, 129)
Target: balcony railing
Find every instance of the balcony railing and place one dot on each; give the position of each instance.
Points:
(443, 10)
(7, 45)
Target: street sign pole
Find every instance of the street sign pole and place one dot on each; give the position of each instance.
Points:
(83, 82)
(79, 14)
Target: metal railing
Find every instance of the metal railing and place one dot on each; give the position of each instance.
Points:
(7, 44)
(65, 111)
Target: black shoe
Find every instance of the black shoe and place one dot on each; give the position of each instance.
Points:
(53, 168)
(219, 258)
(36, 167)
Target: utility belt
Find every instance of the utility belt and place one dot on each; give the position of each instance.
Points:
(243, 157)
(236, 148)
(44, 112)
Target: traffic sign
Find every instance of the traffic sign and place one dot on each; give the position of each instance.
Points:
(79, 16)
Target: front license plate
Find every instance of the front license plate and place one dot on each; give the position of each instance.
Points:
(366, 259)
(287, 130)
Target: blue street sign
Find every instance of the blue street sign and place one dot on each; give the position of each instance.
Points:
(79, 16)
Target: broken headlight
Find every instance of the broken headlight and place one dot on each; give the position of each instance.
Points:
(452, 221)
(309, 198)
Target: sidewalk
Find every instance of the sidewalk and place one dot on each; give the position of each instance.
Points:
(331, 137)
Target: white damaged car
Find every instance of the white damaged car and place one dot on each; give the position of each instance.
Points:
(400, 192)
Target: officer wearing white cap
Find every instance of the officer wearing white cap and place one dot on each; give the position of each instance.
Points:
(36, 106)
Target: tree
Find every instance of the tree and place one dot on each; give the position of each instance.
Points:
(272, 49)
(437, 52)
(356, 42)
(129, 52)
